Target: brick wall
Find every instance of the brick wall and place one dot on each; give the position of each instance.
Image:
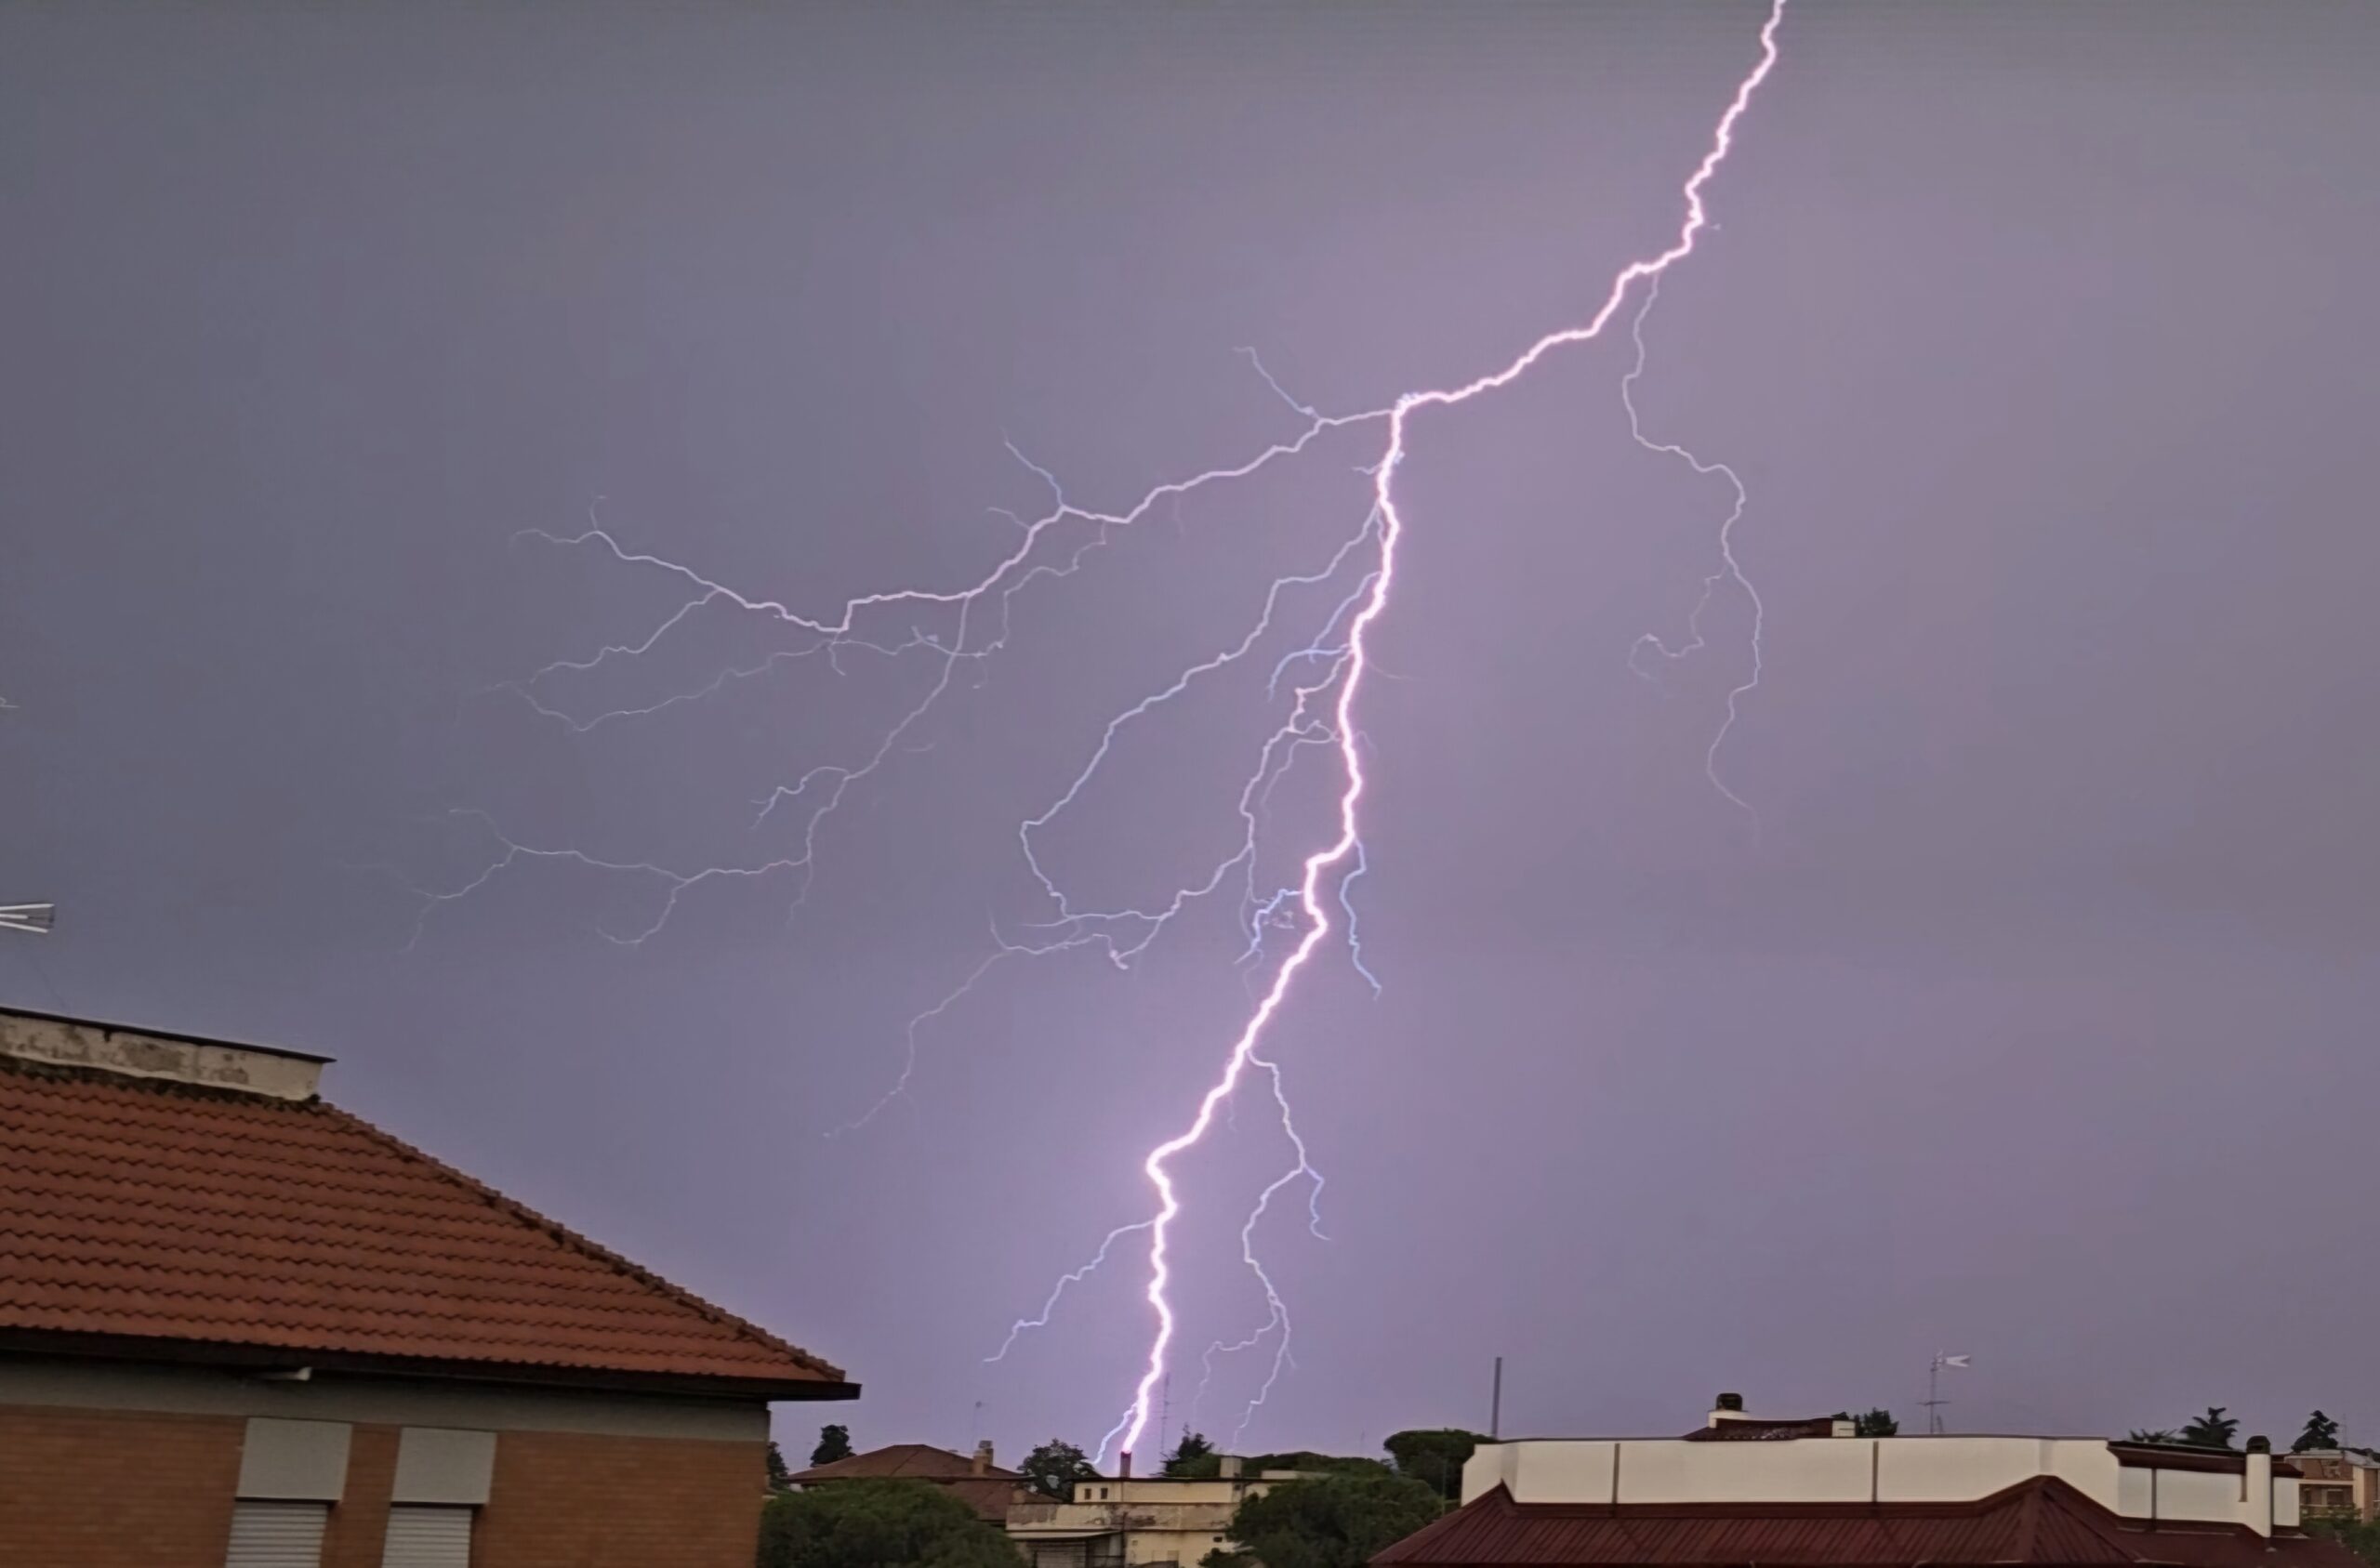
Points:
(556, 1503)
(120, 1489)
(108, 1489)
(354, 1536)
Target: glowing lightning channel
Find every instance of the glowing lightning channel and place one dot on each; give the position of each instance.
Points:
(970, 623)
(1127, 1434)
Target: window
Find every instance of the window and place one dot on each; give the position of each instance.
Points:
(277, 1534)
(428, 1536)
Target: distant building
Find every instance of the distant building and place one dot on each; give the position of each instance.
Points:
(1738, 1493)
(2339, 1483)
(241, 1327)
(1137, 1522)
(976, 1482)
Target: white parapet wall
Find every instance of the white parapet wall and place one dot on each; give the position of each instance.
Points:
(1823, 1470)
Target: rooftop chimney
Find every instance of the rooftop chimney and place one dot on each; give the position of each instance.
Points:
(2257, 1483)
(1228, 1466)
(135, 1053)
(1726, 1407)
(1124, 1466)
(982, 1463)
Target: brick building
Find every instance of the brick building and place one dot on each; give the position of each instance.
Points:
(240, 1327)
(2340, 1483)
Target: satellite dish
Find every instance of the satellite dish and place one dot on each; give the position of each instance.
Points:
(35, 918)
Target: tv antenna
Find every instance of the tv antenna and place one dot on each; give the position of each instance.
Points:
(35, 919)
(1933, 1400)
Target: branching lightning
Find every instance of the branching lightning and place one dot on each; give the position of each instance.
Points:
(1128, 1430)
(1314, 689)
(1730, 568)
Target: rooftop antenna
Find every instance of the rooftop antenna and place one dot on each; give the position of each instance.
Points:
(1933, 1400)
(1496, 1403)
(37, 918)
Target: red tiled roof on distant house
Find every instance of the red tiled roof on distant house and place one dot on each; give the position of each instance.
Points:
(2043, 1521)
(174, 1221)
(982, 1485)
(913, 1461)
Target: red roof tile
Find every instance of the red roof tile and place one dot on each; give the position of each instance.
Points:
(139, 1211)
(917, 1461)
(988, 1493)
(2043, 1520)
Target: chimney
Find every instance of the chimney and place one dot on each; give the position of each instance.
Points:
(1726, 1407)
(2258, 1485)
(1229, 1467)
(139, 1053)
(1124, 1466)
(982, 1464)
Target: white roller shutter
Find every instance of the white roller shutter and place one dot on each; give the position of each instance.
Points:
(428, 1536)
(277, 1534)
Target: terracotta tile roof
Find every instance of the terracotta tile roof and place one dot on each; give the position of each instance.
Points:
(916, 1461)
(141, 1213)
(988, 1493)
(990, 1498)
(2043, 1521)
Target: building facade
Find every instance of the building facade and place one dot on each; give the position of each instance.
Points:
(1743, 1493)
(1124, 1522)
(243, 1328)
(2338, 1484)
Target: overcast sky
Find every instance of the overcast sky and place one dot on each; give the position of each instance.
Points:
(2034, 1022)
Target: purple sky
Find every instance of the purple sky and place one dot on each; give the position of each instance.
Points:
(2035, 1022)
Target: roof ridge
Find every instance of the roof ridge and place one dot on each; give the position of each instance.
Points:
(571, 1238)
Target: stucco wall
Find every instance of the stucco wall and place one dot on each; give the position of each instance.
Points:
(1851, 1471)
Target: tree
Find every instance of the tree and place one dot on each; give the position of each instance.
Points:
(1332, 1522)
(1433, 1456)
(2214, 1429)
(877, 1523)
(1193, 1457)
(982, 1548)
(1052, 1470)
(2161, 1434)
(2361, 1539)
(834, 1442)
(779, 1479)
(2321, 1432)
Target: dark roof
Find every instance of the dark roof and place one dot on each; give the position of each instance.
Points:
(1734, 1429)
(2191, 1457)
(2043, 1520)
(988, 1493)
(153, 1220)
(987, 1496)
(915, 1461)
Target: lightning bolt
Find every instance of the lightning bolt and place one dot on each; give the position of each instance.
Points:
(1319, 865)
(951, 629)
